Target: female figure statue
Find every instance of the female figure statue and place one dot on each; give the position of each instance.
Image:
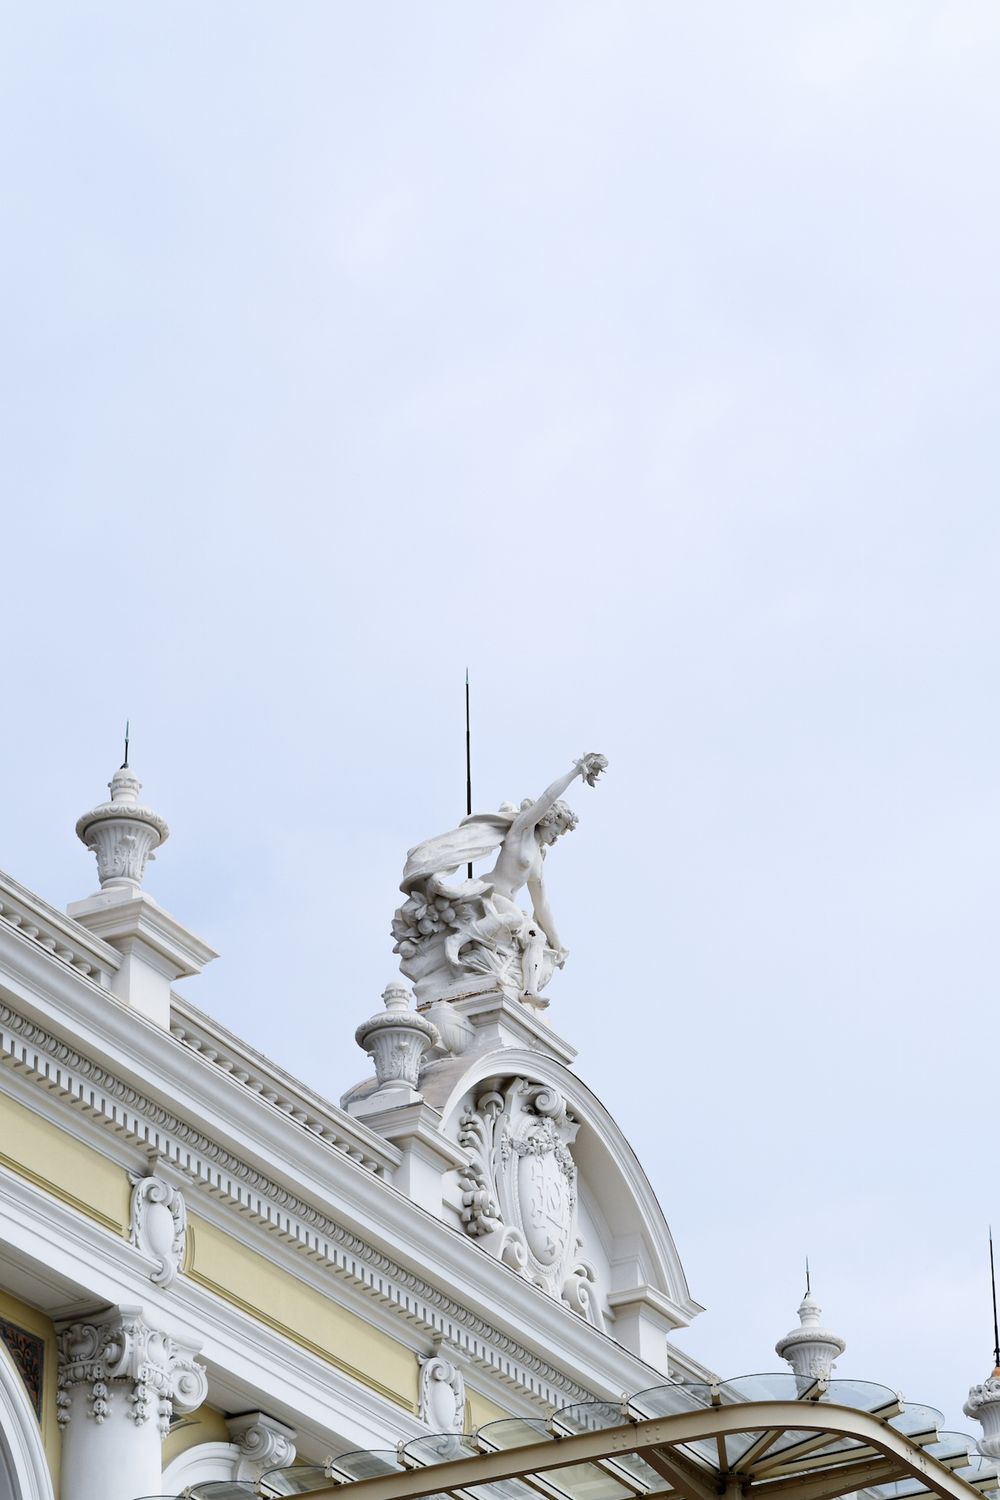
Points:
(475, 927)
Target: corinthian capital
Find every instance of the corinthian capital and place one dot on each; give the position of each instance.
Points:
(118, 1356)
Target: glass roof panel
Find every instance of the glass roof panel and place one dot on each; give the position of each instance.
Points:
(442, 1447)
(913, 1421)
(951, 1446)
(587, 1482)
(366, 1463)
(863, 1395)
(502, 1489)
(664, 1400)
(298, 1481)
(779, 1386)
(514, 1432)
(222, 1489)
(589, 1416)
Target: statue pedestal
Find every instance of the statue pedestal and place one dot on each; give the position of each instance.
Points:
(488, 1020)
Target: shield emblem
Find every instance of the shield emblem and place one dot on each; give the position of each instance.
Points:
(545, 1206)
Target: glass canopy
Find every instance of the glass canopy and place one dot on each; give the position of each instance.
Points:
(758, 1437)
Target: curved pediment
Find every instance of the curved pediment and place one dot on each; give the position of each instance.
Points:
(554, 1189)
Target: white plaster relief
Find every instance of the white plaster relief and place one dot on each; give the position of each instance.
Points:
(159, 1225)
(442, 1394)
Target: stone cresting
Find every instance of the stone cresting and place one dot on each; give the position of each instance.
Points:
(125, 1359)
(57, 936)
(63, 1070)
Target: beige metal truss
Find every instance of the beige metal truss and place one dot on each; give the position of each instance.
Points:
(843, 1450)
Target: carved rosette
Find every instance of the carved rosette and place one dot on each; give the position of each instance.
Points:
(442, 1394)
(121, 833)
(519, 1191)
(159, 1225)
(124, 1359)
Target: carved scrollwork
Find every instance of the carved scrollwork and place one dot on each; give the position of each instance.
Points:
(442, 1394)
(519, 1190)
(159, 1225)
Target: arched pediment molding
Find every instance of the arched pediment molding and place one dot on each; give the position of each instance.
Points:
(24, 1451)
(609, 1168)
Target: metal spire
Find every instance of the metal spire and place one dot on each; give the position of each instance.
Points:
(993, 1285)
(808, 1286)
(468, 766)
(124, 764)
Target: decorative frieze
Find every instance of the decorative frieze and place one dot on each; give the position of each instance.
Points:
(62, 1069)
(27, 1351)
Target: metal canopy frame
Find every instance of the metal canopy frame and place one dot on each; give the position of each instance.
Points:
(840, 1450)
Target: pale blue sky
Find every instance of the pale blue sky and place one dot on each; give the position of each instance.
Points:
(644, 357)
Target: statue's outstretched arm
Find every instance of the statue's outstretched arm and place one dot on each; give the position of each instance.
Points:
(588, 766)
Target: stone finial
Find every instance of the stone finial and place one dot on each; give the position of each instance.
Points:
(983, 1405)
(810, 1349)
(122, 833)
(397, 1040)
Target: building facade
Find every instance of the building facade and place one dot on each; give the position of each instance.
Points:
(210, 1274)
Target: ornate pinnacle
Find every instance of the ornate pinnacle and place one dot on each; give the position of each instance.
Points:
(122, 833)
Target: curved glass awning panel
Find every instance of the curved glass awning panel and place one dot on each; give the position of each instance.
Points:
(773, 1436)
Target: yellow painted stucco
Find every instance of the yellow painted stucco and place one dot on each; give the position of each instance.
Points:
(76, 1174)
(304, 1315)
(206, 1425)
(37, 1323)
(479, 1410)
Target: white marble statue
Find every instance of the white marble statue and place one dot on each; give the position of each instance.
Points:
(455, 938)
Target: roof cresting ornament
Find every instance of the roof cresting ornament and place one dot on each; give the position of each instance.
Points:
(810, 1349)
(122, 833)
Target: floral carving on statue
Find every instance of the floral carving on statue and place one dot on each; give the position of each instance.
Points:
(159, 1225)
(460, 938)
(442, 1394)
(519, 1190)
(123, 1358)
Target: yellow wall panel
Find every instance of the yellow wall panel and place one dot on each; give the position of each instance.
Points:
(480, 1410)
(206, 1425)
(300, 1312)
(76, 1174)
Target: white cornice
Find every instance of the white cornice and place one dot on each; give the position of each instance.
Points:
(286, 1178)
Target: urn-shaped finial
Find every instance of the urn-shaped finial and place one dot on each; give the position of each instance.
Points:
(983, 1405)
(122, 833)
(810, 1349)
(397, 1039)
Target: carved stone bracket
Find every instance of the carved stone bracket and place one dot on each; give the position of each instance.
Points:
(264, 1443)
(121, 1358)
(159, 1225)
(442, 1394)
